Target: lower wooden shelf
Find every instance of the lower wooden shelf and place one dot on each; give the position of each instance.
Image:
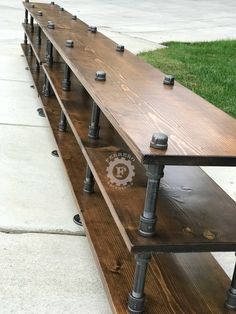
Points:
(176, 283)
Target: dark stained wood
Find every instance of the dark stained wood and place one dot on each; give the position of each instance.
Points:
(176, 283)
(184, 269)
(190, 204)
(135, 101)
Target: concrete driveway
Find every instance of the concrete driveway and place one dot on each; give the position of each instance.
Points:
(142, 25)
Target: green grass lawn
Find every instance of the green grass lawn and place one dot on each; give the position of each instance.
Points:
(207, 68)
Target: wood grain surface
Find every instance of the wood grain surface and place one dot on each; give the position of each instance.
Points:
(190, 206)
(176, 283)
(136, 102)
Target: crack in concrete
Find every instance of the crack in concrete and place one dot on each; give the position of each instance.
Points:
(18, 81)
(55, 232)
(24, 125)
(134, 37)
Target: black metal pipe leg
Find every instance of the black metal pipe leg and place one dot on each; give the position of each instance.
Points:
(37, 66)
(63, 122)
(49, 53)
(137, 297)
(230, 302)
(94, 124)
(32, 23)
(47, 49)
(38, 38)
(25, 39)
(148, 218)
(30, 51)
(89, 181)
(44, 84)
(26, 17)
(47, 88)
(66, 80)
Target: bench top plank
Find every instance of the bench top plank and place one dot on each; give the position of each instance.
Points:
(137, 103)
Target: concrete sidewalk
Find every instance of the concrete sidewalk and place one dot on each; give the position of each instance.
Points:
(142, 25)
(45, 263)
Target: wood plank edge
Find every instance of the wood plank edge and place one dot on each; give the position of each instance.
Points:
(97, 178)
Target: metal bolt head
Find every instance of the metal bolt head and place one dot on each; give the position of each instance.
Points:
(40, 13)
(77, 220)
(41, 112)
(32, 6)
(159, 141)
(51, 25)
(69, 43)
(169, 80)
(61, 9)
(120, 48)
(74, 17)
(92, 29)
(100, 76)
(52, 2)
(55, 153)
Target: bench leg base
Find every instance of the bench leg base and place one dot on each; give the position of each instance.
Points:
(230, 302)
(89, 181)
(63, 123)
(136, 306)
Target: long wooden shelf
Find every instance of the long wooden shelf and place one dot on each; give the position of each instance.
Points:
(190, 203)
(130, 100)
(176, 283)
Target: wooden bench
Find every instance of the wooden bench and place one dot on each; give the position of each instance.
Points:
(170, 221)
